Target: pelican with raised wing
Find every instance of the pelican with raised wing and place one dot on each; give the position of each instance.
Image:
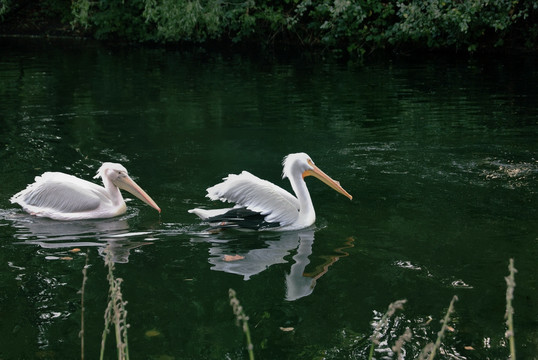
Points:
(261, 205)
(61, 196)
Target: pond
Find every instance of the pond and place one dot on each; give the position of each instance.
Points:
(439, 154)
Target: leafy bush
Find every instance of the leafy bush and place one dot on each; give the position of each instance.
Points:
(5, 6)
(352, 27)
(184, 19)
(451, 23)
(112, 19)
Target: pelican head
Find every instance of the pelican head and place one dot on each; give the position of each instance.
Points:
(301, 163)
(117, 175)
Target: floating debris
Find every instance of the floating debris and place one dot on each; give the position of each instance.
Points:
(152, 333)
(232, 257)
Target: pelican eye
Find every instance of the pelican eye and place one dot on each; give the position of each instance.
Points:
(121, 174)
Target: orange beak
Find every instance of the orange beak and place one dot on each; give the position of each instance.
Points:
(316, 172)
(127, 184)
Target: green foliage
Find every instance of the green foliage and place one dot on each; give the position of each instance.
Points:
(5, 6)
(35, 13)
(80, 9)
(453, 23)
(122, 19)
(56, 9)
(353, 27)
(186, 20)
(240, 20)
(109, 19)
(367, 25)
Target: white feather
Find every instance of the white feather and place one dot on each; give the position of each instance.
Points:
(258, 195)
(274, 203)
(61, 192)
(61, 196)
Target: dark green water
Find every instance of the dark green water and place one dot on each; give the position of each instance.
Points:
(440, 156)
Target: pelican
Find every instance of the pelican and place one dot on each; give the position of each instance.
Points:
(61, 196)
(262, 205)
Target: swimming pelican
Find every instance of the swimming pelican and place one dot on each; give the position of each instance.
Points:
(261, 205)
(65, 197)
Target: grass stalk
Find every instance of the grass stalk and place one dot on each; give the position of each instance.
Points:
(432, 348)
(108, 318)
(115, 313)
(84, 279)
(242, 319)
(398, 346)
(510, 286)
(376, 336)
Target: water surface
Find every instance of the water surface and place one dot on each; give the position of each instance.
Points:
(439, 154)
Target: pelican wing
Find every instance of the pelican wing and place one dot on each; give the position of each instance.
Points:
(61, 192)
(255, 194)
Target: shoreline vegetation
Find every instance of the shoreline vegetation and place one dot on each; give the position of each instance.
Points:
(353, 29)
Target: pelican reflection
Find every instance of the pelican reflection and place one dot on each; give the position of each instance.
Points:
(248, 258)
(112, 234)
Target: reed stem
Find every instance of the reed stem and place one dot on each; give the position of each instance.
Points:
(242, 319)
(115, 313)
(510, 286)
(84, 279)
(441, 332)
(397, 305)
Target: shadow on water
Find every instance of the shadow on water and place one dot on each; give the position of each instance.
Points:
(113, 234)
(232, 253)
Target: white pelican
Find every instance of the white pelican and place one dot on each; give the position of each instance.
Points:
(65, 197)
(261, 205)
